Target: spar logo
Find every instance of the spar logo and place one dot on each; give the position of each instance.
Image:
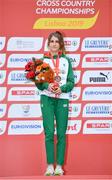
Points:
(97, 60)
(24, 94)
(97, 127)
(2, 42)
(3, 125)
(97, 93)
(24, 44)
(17, 77)
(24, 111)
(97, 44)
(97, 110)
(24, 127)
(71, 44)
(20, 60)
(97, 77)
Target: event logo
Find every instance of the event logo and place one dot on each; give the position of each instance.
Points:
(2, 110)
(24, 44)
(20, 60)
(2, 42)
(75, 59)
(97, 44)
(65, 23)
(77, 75)
(75, 93)
(3, 125)
(97, 61)
(74, 110)
(24, 127)
(2, 59)
(2, 76)
(59, 9)
(17, 77)
(24, 94)
(74, 126)
(24, 111)
(97, 93)
(71, 44)
(97, 127)
(97, 77)
(2, 93)
(97, 110)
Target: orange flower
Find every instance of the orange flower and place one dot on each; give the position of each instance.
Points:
(45, 65)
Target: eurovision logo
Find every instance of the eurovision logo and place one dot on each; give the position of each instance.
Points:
(97, 93)
(24, 127)
(20, 60)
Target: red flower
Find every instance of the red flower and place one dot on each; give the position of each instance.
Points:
(30, 75)
(38, 61)
(29, 66)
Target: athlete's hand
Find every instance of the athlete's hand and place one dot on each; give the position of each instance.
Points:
(50, 87)
(57, 91)
(54, 88)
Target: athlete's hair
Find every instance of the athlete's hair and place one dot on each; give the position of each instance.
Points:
(58, 35)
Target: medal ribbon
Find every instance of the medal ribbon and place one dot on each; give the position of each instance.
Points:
(56, 68)
(56, 65)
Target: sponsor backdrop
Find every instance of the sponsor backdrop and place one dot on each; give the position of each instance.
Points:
(87, 29)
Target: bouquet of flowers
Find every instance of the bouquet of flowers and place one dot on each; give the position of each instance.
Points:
(39, 71)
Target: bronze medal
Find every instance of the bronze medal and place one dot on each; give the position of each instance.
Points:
(57, 78)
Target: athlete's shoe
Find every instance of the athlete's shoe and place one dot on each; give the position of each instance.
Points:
(58, 171)
(49, 170)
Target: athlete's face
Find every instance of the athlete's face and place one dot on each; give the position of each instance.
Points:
(54, 45)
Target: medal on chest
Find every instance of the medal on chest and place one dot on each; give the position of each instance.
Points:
(57, 78)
